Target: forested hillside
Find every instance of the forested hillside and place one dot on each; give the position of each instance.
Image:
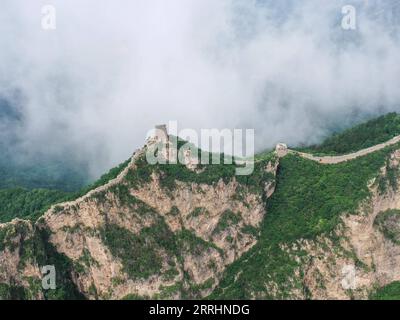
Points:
(22, 167)
(284, 232)
(359, 137)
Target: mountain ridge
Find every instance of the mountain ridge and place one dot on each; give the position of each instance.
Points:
(183, 223)
(209, 234)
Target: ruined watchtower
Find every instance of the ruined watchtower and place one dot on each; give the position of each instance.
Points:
(161, 133)
(160, 140)
(157, 135)
(281, 150)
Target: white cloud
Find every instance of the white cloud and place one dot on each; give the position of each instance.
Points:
(111, 70)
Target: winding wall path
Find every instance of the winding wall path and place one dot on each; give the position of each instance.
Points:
(346, 157)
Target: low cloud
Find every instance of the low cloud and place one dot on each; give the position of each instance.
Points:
(112, 70)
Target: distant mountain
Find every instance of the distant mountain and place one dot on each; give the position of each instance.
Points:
(364, 135)
(33, 170)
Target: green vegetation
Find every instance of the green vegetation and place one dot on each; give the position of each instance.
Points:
(46, 254)
(167, 292)
(227, 219)
(9, 234)
(122, 192)
(308, 202)
(34, 170)
(203, 286)
(65, 176)
(359, 137)
(207, 174)
(138, 255)
(134, 297)
(189, 242)
(170, 274)
(248, 229)
(141, 174)
(388, 292)
(197, 212)
(87, 260)
(388, 222)
(12, 292)
(138, 252)
(172, 172)
(174, 211)
(34, 247)
(31, 204)
(110, 175)
(389, 179)
(310, 197)
(23, 203)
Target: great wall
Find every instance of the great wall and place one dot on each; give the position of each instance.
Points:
(281, 150)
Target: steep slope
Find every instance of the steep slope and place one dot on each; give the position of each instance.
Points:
(319, 239)
(154, 231)
(366, 256)
(31, 204)
(348, 156)
(362, 136)
(294, 229)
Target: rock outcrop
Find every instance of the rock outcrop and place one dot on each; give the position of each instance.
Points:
(146, 233)
(169, 231)
(359, 257)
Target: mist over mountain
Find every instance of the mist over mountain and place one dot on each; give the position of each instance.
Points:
(91, 89)
(318, 216)
(27, 167)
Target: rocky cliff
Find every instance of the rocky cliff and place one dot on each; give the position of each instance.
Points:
(366, 255)
(153, 232)
(294, 229)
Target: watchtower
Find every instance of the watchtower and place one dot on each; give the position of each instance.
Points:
(161, 133)
(281, 150)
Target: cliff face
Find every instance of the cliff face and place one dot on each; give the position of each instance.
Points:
(147, 233)
(17, 270)
(363, 253)
(174, 232)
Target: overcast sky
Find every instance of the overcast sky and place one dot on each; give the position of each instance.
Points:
(113, 69)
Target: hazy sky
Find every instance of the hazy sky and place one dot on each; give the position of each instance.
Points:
(113, 69)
